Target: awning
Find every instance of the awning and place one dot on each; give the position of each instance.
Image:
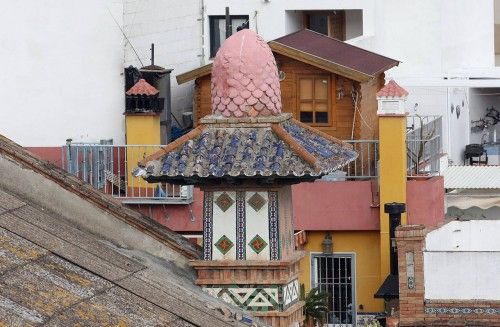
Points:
(472, 177)
(468, 201)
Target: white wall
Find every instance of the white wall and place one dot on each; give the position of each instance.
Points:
(293, 21)
(174, 28)
(354, 23)
(434, 38)
(61, 71)
(461, 261)
(458, 125)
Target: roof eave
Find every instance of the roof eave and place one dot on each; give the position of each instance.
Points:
(319, 62)
(194, 74)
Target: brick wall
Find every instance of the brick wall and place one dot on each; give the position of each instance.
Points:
(410, 241)
(415, 310)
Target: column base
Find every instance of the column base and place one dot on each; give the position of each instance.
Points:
(292, 317)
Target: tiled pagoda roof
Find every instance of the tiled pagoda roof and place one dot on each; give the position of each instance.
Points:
(280, 147)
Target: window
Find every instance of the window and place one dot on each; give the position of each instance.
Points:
(335, 274)
(314, 100)
(331, 23)
(218, 30)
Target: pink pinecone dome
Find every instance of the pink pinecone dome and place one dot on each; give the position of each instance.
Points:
(245, 80)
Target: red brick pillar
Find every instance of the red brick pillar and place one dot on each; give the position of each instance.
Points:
(410, 242)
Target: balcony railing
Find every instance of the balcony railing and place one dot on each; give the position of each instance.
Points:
(424, 145)
(424, 156)
(109, 168)
(365, 165)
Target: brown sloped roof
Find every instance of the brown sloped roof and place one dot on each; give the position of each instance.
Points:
(320, 51)
(331, 50)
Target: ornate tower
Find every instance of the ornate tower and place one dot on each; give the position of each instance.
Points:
(245, 156)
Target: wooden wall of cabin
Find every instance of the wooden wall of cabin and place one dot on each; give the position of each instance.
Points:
(342, 109)
(202, 98)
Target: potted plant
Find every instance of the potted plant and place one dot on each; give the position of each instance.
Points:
(316, 306)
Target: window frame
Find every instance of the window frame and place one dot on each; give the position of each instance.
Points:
(211, 22)
(330, 110)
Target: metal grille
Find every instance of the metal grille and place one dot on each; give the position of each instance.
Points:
(108, 167)
(335, 275)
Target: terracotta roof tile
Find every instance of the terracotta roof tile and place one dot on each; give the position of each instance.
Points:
(142, 88)
(392, 90)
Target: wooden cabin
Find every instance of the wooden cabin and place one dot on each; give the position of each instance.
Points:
(326, 83)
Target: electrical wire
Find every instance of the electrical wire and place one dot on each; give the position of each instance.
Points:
(355, 97)
(125, 36)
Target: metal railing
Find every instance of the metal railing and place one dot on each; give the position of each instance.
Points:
(424, 145)
(109, 167)
(423, 159)
(423, 156)
(365, 165)
(423, 127)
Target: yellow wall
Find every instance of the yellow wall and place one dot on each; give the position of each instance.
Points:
(140, 129)
(365, 246)
(392, 148)
(143, 129)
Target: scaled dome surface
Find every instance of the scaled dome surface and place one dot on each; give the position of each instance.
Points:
(245, 80)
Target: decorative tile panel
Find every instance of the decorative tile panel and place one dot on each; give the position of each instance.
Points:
(224, 244)
(462, 311)
(249, 297)
(224, 226)
(207, 225)
(240, 226)
(224, 201)
(257, 201)
(273, 226)
(290, 293)
(257, 244)
(257, 224)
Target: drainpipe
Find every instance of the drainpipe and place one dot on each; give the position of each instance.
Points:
(394, 210)
(228, 23)
(202, 40)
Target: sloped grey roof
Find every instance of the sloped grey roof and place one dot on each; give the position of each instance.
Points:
(55, 273)
(265, 147)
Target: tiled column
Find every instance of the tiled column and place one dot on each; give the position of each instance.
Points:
(410, 242)
(249, 255)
